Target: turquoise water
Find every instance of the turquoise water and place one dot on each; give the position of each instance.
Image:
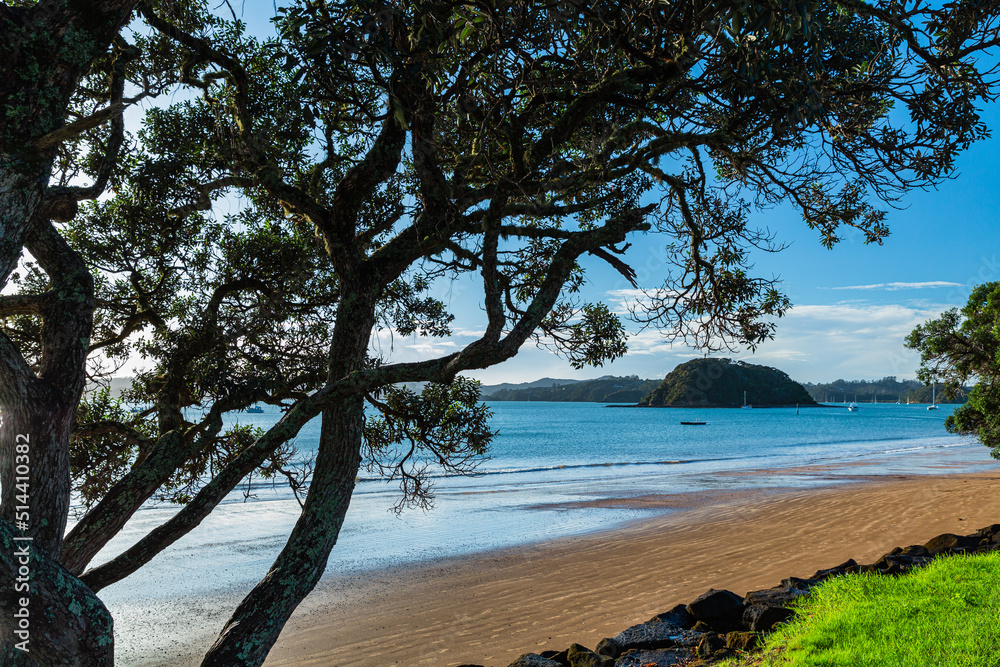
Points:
(551, 461)
(548, 465)
(554, 444)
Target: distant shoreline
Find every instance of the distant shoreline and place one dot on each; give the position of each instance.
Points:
(729, 407)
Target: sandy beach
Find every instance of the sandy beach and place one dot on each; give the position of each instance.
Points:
(489, 608)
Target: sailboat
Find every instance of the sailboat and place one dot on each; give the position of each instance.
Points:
(745, 406)
(933, 405)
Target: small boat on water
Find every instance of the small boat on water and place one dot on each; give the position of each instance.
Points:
(933, 405)
(255, 409)
(853, 407)
(745, 406)
(694, 423)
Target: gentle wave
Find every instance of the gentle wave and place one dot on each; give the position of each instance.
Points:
(569, 466)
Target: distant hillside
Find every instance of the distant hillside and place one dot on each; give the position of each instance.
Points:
(607, 389)
(721, 383)
(886, 390)
(491, 389)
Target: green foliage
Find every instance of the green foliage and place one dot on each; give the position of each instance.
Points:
(609, 389)
(961, 347)
(721, 382)
(114, 440)
(444, 427)
(947, 613)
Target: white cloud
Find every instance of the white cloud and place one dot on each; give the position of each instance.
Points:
(815, 343)
(893, 287)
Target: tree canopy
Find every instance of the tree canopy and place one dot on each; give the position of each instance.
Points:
(963, 347)
(287, 197)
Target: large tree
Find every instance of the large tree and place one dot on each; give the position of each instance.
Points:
(963, 347)
(373, 148)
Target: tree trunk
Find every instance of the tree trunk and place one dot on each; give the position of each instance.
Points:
(255, 625)
(34, 468)
(66, 623)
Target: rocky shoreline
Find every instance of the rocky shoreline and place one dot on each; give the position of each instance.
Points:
(720, 624)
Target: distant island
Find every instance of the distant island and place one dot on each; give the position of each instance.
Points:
(721, 383)
(607, 389)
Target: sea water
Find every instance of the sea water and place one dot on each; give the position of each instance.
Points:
(548, 468)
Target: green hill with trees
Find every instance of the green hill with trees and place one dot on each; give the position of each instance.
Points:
(608, 389)
(721, 382)
(886, 390)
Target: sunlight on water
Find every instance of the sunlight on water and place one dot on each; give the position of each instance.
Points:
(550, 461)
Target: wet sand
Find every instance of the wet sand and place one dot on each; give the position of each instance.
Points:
(489, 608)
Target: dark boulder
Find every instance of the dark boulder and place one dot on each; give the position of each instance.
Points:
(581, 656)
(678, 616)
(799, 584)
(651, 635)
(710, 643)
(557, 656)
(648, 636)
(742, 641)
(775, 597)
(949, 541)
(916, 550)
(608, 647)
(720, 609)
(989, 533)
(761, 618)
(671, 657)
(844, 568)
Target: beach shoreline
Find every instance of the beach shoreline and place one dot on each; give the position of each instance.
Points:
(488, 608)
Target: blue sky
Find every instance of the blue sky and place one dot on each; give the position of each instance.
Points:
(853, 305)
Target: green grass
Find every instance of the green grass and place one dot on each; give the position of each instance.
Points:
(946, 614)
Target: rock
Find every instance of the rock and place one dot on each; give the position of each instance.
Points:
(671, 657)
(775, 597)
(989, 533)
(917, 550)
(843, 568)
(762, 618)
(534, 660)
(742, 641)
(722, 610)
(901, 561)
(948, 541)
(581, 656)
(557, 656)
(701, 627)
(800, 584)
(608, 647)
(710, 643)
(649, 636)
(678, 616)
